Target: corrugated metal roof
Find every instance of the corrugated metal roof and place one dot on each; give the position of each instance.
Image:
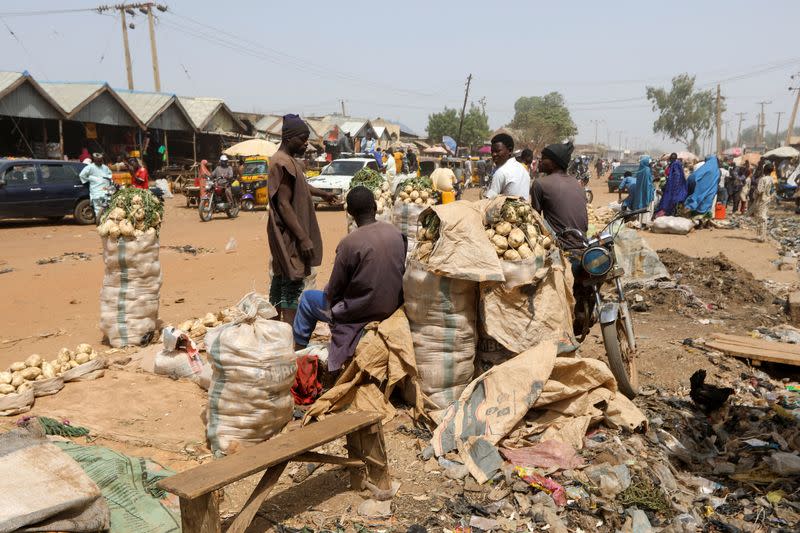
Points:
(7, 79)
(145, 105)
(264, 123)
(352, 127)
(70, 95)
(211, 114)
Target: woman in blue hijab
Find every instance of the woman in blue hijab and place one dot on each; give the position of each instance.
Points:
(702, 184)
(642, 192)
(675, 190)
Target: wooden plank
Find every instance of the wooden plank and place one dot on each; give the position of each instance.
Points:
(754, 353)
(201, 514)
(314, 457)
(260, 493)
(212, 476)
(775, 347)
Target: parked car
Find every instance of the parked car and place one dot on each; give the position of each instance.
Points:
(337, 175)
(615, 178)
(40, 188)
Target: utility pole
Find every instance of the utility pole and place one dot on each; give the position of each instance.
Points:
(619, 144)
(762, 123)
(127, 49)
(778, 127)
(739, 133)
(726, 122)
(719, 123)
(463, 110)
(145, 8)
(153, 50)
(344, 113)
(794, 114)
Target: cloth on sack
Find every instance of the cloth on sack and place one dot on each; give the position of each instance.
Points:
(44, 489)
(384, 357)
(180, 358)
(47, 387)
(639, 262)
(703, 184)
(533, 395)
(672, 225)
(130, 293)
(545, 454)
(253, 369)
(442, 314)
(128, 485)
(462, 250)
(306, 386)
(15, 404)
(523, 317)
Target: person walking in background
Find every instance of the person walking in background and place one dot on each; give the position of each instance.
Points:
(762, 194)
(744, 194)
(510, 178)
(203, 173)
(674, 189)
(413, 166)
(295, 242)
(99, 178)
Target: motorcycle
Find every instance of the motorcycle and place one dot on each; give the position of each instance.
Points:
(583, 177)
(215, 201)
(594, 266)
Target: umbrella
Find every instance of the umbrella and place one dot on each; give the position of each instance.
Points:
(483, 150)
(784, 152)
(688, 156)
(252, 147)
(753, 157)
(435, 150)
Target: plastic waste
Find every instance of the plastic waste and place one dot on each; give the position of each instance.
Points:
(231, 246)
(783, 463)
(610, 480)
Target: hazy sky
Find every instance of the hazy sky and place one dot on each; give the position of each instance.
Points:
(405, 62)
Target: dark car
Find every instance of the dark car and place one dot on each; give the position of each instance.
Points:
(40, 188)
(615, 178)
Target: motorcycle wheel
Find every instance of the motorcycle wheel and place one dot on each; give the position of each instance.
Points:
(621, 358)
(206, 209)
(589, 197)
(233, 211)
(248, 205)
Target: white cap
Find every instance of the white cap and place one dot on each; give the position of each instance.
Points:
(223, 157)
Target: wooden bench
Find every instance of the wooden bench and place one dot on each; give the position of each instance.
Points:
(196, 487)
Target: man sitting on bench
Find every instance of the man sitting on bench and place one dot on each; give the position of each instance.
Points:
(366, 283)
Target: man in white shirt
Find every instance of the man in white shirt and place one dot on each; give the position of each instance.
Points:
(510, 178)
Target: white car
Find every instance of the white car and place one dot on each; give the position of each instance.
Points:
(336, 177)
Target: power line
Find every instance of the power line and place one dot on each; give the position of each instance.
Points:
(46, 12)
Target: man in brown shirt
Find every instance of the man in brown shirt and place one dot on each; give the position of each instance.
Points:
(293, 234)
(366, 283)
(560, 197)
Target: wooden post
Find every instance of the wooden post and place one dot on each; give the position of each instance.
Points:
(153, 51)
(194, 147)
(719, 122)
(260, 493)
(201, 514)
(792, 118)
(61, 137)
(368, 445)
(128, 68)
(166, 148)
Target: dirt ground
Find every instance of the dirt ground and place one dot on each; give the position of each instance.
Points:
(53, 305)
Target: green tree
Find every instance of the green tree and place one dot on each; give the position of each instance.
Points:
(475, 130)
(684, 114)
(542, 120)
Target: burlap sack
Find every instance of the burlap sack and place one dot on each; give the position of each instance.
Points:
(46, 387)
(96, 368)
(405, 218)
(524, 316)
(130, 293)
(442, 314)
(17, 403)
(253, 369)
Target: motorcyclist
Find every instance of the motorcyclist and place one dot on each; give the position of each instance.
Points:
(222, 176)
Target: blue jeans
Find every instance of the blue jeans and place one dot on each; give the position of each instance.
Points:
(312, 308)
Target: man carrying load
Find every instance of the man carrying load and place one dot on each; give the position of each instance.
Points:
(294, 238)
(366, 283)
